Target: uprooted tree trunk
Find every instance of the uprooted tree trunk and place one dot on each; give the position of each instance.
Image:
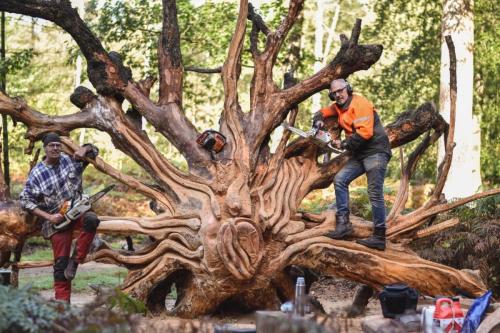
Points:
(231, 227)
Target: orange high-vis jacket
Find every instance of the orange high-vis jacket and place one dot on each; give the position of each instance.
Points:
(365, 134)
(359, 116)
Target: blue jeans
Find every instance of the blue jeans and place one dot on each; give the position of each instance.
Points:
(374, 166)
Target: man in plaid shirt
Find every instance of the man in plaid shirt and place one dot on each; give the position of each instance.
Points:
(55, 180)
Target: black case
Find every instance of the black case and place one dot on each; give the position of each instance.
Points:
(397, 299)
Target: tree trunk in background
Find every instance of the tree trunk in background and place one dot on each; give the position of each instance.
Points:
(318, 49)
(321, 52)
(5, 137)
(458, 22)
(80, 6)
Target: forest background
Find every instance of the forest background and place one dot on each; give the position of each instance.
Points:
(43, 65)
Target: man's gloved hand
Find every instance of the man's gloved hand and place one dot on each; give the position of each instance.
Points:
(318, 121)
(336, 144)
(319, 124)
(339, 144)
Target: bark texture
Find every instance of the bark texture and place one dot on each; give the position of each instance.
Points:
(230, 228)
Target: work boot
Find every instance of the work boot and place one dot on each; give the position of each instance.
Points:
(343, 227)
(70, 271)
(376, 241)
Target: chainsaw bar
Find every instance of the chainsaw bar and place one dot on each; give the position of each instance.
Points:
(311, 135)
(93, 198)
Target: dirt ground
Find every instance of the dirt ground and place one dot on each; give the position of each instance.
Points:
(335, 295)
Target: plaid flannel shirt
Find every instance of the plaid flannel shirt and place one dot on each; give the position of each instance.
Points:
(49, 186)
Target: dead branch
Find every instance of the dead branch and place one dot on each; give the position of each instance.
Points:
(108, 76)
(111, 78)
(350, 58)
(132, 182)
(407, 172)
(232, 119)
(232, 66)
(379, 268)
(203, 70)
(257, 20)
(258, 25)
(170, 58)
(39, 123)
(276, 39)
(434, 229)
(416, 218)
(444, 168)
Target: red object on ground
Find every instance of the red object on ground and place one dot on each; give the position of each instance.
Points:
(448, 315)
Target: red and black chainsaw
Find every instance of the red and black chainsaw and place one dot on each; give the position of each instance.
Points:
(74, 209)
(317, 136)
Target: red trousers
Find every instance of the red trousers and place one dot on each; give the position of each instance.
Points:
(61, 247)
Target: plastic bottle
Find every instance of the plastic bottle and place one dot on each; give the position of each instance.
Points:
(300, 292)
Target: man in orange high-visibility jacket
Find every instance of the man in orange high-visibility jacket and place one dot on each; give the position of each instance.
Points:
(369, 145)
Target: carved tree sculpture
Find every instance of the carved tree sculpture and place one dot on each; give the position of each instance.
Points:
(231, 225)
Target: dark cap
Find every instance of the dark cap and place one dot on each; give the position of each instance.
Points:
(51, 137)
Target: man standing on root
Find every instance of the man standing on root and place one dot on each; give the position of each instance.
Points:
(55, 180)
(369, 145)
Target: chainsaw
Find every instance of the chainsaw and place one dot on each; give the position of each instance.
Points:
(72, 210)
(317, 136)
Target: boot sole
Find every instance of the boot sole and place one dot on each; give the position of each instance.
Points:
(380, 248)
(342, 236)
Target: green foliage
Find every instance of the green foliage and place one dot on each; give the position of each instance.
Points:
(16, 61)
(486, 93)
(473, 244)
(109, 278)
(126, 303)
(39, 255)
(408, 72)
(21, 310)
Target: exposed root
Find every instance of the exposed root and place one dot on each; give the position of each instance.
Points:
(171, 247)
(377, 268)
(160, 226)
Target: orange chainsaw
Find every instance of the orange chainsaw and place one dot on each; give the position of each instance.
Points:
(317, 136)
(75, 208)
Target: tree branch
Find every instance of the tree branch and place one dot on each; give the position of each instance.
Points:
(171, 122)
(169, 57)
(350, 58)
(276, 39)
(108, 75)
(132, 182)
(203, 70)
(258, 25)
(444, 168)
(407, 172)
(232, 66)
(232, 118)
(38, 123)
(416, 218)
(257, 20)
(378, 268)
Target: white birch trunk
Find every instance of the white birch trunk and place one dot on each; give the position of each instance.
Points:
(464, 177)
